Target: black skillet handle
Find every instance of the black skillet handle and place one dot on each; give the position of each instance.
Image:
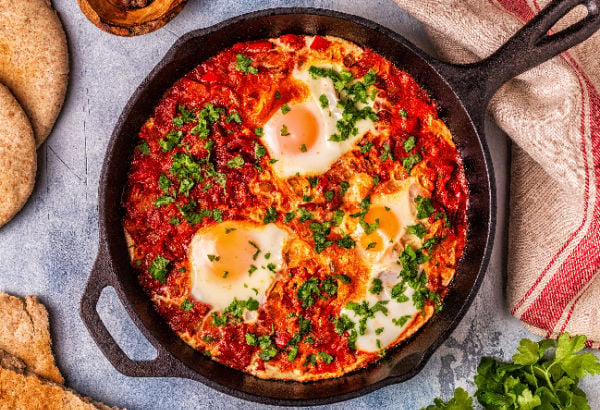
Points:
(530, 46)
(101, 277)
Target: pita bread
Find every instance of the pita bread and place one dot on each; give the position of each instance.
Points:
(34, 60)
(25, 333)
(18, 159)
(22, 389)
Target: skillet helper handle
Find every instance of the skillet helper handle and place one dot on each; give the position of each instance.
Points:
(101, 277)
(532, 45)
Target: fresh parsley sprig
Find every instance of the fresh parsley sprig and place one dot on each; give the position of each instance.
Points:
(542, 375)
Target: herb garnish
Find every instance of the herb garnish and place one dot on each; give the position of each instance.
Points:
(184, 117)
(158, 268)
(542, 374)
(243, 64)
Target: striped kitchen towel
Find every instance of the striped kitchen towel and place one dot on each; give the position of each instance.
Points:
(552, 114)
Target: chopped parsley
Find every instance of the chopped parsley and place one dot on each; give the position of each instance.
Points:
(255, 246)
(328, 195)
(289, 216)
(213, 258)
(209, 114)
(172, 139)
(346, 242)
(310, 359)
(314, 288)
(243, 64)
(285, 109)
(277, 95)
(219, 320)
(320, 232)
(284, 131)
(303, 148)
(259, 150)
(398, 292)
(144, 148)
(344, 186)
(184, 117)
(443, 216)
(329, 285)
(338, 216)
(268, 348)
(174, 221)
(409, 144)
(417, 230)
(185, 186)
(293, 353)
(191, 216)
(270, 216)
(342, 324)
(431, 242)
(305, 215)
(386, 153)
(236, 162)
(366, 312)
(187, 305)
(402, 320)
(376, 286)
(163, 200)
(234, 117)
(164, 183)
(158, 268)
(354, 92)
(308, 290)
(345, 279)
(236, 308)
(325, 357)
(251, 339)
(258, 132)
(403, 113)
(366, 147)
(409, 162)
(424, 207)
(324, 101)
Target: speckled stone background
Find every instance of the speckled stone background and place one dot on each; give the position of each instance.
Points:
(49, 248)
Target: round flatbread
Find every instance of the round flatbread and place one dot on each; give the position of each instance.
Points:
(18, 159)
(34, 60)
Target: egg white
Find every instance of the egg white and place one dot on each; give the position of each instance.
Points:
(367, 342)
(385, 267)
(402, 208)
(318, 158)
(219, 290)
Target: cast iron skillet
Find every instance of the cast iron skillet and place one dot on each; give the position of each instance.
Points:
(462, 92)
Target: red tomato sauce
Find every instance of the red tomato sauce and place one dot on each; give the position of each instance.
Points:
(163, 230)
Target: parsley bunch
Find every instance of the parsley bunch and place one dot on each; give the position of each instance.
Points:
(542, 375)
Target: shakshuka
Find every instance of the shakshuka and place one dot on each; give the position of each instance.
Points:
(295, 207)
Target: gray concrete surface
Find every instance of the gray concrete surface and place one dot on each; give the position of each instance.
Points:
(49, 248)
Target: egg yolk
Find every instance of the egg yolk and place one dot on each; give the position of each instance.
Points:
(389, 227)
(299, 129)
(234, 254)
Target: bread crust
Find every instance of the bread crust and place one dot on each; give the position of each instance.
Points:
(18, 158)
(22, 389)
(34, 60)
(25, 333)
